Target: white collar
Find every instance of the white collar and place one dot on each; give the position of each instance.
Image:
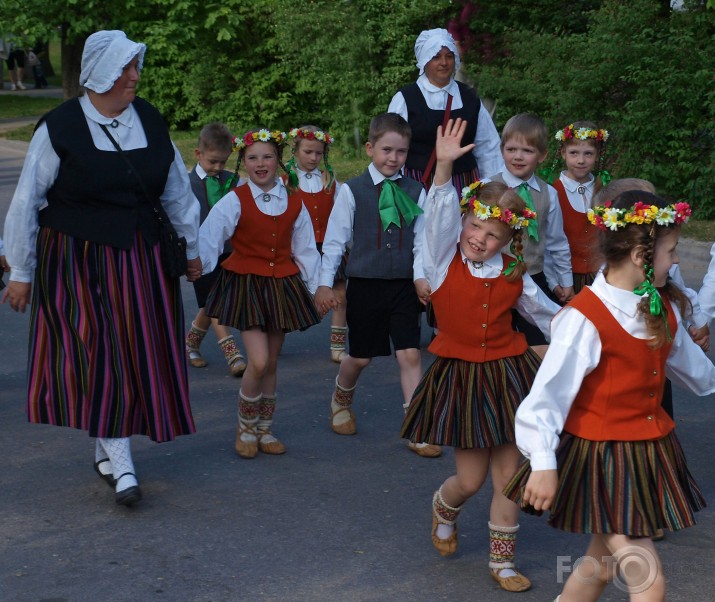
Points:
(573, 185)
(126, 117)
(624, 300)
(495, 261)
(275, 191)
(377, 177)
(200, 171)
(424, 83)
(513, 182)
(314, 172)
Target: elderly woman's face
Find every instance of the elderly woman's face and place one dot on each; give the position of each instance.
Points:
(124, 89)
(440, 68)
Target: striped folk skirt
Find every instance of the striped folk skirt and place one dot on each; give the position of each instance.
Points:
(467, 404)
(246, 301)
(628, 487)
(106, 350)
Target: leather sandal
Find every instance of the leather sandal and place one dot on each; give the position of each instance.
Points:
(246, 449)
(237, 366)
(195, 358)
(345, 428)
(426, 450)
(515, 583)
(107, 478)
(130, 495)
(446, 547)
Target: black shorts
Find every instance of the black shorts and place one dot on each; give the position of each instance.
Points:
(16, 56)
(380, 311)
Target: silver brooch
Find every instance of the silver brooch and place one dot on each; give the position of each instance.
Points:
(581, 190)
(266, 197)
(308, 176)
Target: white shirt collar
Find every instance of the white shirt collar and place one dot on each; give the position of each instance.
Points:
(425, 84)
(275, 191)
(200, 171)
(572, 185)
(377, 177)
(126, 118)
(301, 173)
(495, 261)
(513, 182)
(622, 299)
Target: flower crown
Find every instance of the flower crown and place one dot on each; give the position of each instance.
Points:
(261, 135)
(485, 212)
(307, 134)
(569, 132)
(609, 218)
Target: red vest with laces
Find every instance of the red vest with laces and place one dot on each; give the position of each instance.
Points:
(474, 315)
(262, 243)
(581, 234)
(620, 399)
(319, 205)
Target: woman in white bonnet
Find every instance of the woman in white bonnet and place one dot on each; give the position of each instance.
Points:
(106, 351)
(423, 104)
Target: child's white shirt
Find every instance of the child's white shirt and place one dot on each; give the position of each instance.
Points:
(312, 181)
(223, 218)
(442, 229)
(579, 194)
(339, 232)
(696, 317)
(706, 296)
(558, 269)
(574, 352)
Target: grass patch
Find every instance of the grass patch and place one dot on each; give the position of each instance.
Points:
(19, 107)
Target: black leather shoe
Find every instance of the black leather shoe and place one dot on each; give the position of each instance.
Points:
(107, 478)
(128, 496)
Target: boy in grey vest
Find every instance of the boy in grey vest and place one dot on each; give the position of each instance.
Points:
(524, 145)
(379, 214)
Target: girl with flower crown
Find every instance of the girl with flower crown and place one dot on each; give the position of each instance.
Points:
(266, 285)
(317, 190)
(483, 370)
(581, 147)
(603, 454)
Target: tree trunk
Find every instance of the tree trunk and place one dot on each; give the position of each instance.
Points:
(71, 63)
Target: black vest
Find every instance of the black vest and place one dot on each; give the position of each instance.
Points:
(374, 252)
(425, 121)
(95, 196)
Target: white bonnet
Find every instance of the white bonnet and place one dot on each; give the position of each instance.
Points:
(428, 45)
(104, 56)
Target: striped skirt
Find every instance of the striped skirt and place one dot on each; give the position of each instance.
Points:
(628, 487)
(246, 301)
(106, 350)
(459, 180)
(467, 404)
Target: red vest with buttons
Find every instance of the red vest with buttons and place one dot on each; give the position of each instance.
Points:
(262, 243)
(319, 205)
(474, 315)
(581, 234)
(620, 399)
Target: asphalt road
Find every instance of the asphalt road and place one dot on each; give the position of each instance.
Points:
(336, 518)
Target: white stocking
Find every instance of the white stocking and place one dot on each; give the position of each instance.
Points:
(120, 454)
(99, 455)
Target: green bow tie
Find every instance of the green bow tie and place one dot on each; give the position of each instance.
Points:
(395, 202)
(533, 228)
(215, 191)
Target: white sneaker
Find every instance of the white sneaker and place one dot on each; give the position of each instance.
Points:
(19, 85)
(13, 87)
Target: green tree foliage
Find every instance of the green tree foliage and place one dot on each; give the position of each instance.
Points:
(640, 69)
(643, 73)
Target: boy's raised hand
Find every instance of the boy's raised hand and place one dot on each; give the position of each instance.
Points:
(449, 148)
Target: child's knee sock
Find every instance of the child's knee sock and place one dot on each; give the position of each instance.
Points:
(446, 515)
(502, 547)
(120, 454)
(337, 342)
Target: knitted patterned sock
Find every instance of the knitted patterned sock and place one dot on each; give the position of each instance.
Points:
(194, 337)
(266, 407)
(342, 398)
(502, 548)
(446, 515)
(230, 350)
(337, 338)
(248, 408)
(120, 454)
(99, 455)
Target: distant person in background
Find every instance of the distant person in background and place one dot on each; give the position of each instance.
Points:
(34, 60)
(435, 97)
(106, 345)
(15, 61)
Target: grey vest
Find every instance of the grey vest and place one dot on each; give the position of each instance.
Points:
(378, 253)
(534, 251)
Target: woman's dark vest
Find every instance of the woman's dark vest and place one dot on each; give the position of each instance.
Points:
(96, 197)
(425, 121)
